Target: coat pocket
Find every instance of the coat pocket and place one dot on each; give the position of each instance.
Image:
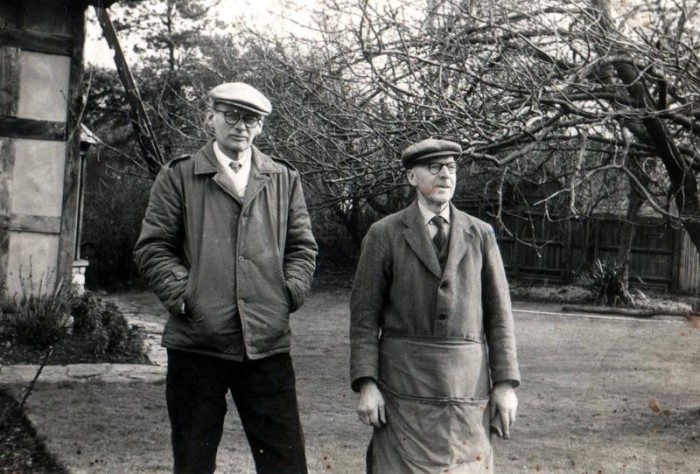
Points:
(190, 296)
(175, 284)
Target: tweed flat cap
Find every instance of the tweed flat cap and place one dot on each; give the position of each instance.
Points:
(241, 95)
(429, 149)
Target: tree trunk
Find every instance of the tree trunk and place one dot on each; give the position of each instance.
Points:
(683, 187)
(140, 121)
(634, 203)
(350, 217)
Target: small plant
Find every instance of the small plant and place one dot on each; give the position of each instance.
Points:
(607, 280)
(42, 318)
(87, 313)
(105, 326)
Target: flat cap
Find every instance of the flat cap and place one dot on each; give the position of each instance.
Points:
(241, 95)
(429, 149)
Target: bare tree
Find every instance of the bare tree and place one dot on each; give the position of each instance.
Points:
(168, 37)
(539, 92)
(589, 107)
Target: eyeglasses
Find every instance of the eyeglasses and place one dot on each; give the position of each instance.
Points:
(232, 117)
(435, 168)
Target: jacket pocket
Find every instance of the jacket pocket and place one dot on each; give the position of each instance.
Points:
(189, 297)
(175, 283)
(280, 283)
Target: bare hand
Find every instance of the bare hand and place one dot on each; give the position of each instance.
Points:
(371, 405)
(504, 404)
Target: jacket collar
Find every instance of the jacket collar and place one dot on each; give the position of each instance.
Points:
(262, 167)
(205, 161)
(415, 233)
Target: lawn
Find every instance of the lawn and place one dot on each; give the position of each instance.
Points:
(599, 395)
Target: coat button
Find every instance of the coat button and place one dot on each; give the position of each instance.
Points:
(240, 259)
(241, 301)
(442, 317)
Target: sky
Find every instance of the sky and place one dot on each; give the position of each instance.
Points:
(276, 14)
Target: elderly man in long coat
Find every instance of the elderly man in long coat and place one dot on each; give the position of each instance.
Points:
(432, 342)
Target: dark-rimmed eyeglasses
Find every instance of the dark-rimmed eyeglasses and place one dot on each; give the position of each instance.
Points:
(435, 168)
(232, 117)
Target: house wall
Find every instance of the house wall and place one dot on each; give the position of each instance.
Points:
(40, 66)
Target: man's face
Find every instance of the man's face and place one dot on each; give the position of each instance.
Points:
(435, 189)
(233, 136)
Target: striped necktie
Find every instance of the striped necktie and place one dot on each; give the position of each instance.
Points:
(440, 237)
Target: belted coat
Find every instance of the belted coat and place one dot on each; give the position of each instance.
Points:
(239, 265)
(434, 339)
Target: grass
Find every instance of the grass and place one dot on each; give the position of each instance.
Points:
(597, 395)
(21, 449)
(123, 428)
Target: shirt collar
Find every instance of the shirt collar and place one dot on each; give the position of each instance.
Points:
(224, 160)
(428, 214)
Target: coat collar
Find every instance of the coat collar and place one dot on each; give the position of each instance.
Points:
(415, 233)
(262, 166)
(260, 173)
(205, 161)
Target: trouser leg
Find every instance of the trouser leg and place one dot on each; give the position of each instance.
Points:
(265, 396)
(368, 458)
(196, 395)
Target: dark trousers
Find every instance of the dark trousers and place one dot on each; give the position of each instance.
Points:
(265, 396)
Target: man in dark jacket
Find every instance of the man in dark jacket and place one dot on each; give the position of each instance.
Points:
(226, 244)
(432, 343)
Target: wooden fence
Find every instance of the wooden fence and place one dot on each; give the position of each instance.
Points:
(662, 256)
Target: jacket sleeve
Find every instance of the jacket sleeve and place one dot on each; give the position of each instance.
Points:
(498, 317)
(300, 247)
(158, 251)
(367, 302)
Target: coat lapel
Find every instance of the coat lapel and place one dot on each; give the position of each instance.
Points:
(225, 183)
(206, 163)
(262, 167)
(417, 237)
(461, 238)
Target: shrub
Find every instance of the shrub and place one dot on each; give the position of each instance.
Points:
(608, 282)
(44, 319)
(86, 313)
(41, 318)
(105, 326)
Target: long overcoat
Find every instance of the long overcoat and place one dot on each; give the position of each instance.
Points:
(435, 340)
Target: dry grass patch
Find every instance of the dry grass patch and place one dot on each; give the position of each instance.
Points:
(572, 294)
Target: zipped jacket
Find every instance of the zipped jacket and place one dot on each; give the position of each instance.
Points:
(239, 266)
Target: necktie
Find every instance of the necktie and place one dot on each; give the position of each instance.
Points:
(439, 238)
(235, 166)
